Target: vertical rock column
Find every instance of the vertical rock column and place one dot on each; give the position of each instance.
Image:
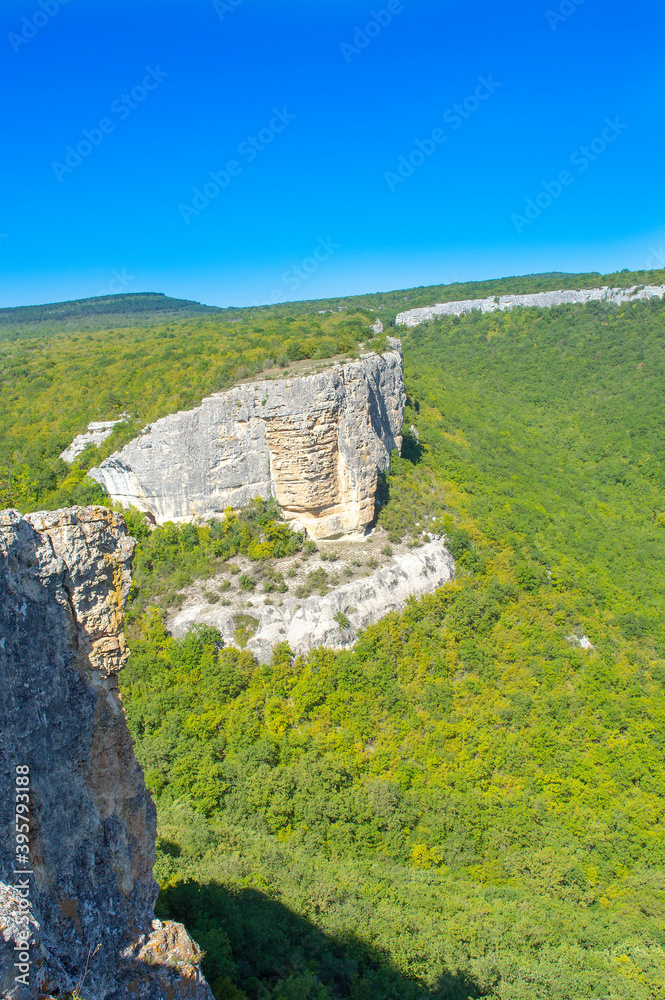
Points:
(88, 893)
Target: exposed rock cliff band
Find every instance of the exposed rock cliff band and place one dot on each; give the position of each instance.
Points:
(315, 621)
(316, 443)
(541, 300)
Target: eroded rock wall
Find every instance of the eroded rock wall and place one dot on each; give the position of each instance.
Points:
(88, 894)
(316, 443)
(96, 434)
(314, 621)
(541, 300)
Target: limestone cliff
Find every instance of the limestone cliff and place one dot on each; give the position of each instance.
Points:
(541, 300)
(316, 443)
(306, 624)
(87, 895)
(96, 434)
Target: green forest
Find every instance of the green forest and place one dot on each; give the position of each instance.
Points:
(470, 802)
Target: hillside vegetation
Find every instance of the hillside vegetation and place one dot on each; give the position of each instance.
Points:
(147, 305)
(146, 355)
(388, 304)
(120, 310)
(469, 803)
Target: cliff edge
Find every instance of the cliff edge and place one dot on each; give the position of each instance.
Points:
(305, 623)
(316, 443)
(539, 300)
(77, 825)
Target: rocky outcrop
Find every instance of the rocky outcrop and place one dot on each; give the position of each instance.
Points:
(77, 826)
(542, 300)
(316, 443)
(306, 624)
(96, 434)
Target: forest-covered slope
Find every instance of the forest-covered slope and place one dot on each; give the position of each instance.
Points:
(143, 304)
(388, 304)
(66, 364)
(122, 310)
(471, 802)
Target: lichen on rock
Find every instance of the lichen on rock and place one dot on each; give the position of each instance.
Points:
(87, 898)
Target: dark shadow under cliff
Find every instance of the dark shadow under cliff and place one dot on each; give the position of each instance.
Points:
(259, 949)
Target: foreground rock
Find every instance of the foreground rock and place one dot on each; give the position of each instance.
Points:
(542, 300)
(77, 903)
(316, 443)
(306, 624)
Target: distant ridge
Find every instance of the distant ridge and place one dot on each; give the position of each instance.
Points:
(148, 307)
(399, 300)
(141, 302)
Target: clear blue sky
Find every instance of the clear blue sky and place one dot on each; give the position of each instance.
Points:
(351, 105)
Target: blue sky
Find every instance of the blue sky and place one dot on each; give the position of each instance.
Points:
(182, 87)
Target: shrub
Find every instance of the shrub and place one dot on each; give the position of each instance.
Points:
(316, 580)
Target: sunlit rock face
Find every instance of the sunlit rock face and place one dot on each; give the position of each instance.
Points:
(335, 619)
(82, 910)
(540, 300)
(96, 434)
(316, 443)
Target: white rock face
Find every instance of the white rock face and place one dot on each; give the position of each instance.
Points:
(316, 443)
(542, 300)
(582, 641)
(96, 434)
(306, 624)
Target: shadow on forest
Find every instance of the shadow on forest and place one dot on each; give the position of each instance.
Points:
(412, 449)
(253, 942)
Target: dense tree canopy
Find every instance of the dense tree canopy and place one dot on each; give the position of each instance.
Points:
(470, 791)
